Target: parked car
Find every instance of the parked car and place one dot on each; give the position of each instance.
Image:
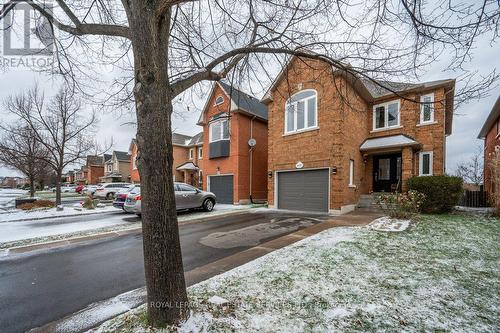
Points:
(70, 188)
(186, 197)
(90, 189)
(121, 195)
(108, 190)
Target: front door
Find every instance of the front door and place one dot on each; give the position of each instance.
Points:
(387, 173)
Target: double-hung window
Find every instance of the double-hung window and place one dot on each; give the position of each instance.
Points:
(191, 153)
(200, 153)
(386, 115)
(301, 111)
(425, 161)
(427, 109)
(219, 130)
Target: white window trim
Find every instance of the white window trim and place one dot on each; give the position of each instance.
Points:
(200, 153)
(211, 139)
(386, 118)
(351, 173)
(431, 121)
(191, 153)
(421, 163)
(306, 128)
(216, 98)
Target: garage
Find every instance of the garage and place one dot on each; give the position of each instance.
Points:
(303, 190)
(222, 187)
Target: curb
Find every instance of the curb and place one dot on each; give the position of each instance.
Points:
(138, 296)
(56, 217)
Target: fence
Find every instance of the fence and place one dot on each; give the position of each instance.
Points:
(475, 199)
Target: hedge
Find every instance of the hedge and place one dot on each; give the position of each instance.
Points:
(442, 193)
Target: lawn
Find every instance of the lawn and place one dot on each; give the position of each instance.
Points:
(441, 275)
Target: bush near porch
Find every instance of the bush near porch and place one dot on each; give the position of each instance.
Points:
(442, 193)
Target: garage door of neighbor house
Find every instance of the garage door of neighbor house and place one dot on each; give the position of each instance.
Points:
(303, 190)
(222, 187)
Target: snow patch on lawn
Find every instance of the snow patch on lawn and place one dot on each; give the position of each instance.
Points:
(21, 215)
(345, 279)
(385, 223)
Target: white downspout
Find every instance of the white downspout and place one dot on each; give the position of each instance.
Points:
(251, 161)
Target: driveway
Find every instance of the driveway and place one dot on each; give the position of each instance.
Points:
(40, 287)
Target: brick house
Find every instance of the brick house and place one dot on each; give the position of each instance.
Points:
(334, 137)
(490, 132)
(235, 140)
(188, 159)
(92, 171)
(116, 168)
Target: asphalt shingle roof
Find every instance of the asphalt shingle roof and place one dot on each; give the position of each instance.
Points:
(245, 102)
(121, 155)
(180, 139)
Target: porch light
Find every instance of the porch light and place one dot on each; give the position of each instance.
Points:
(334, 170)
(270, 174)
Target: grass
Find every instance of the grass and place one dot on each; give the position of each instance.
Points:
(442, 275)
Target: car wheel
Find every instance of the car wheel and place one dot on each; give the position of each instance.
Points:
(208, 205)
(109, 196)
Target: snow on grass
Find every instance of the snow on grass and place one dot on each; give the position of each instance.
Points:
(388, 224)
(8, 197)
(441, 275)
(36, 214)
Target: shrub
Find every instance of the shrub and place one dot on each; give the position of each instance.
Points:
(442, 193)
(37, 204)
(400, 205)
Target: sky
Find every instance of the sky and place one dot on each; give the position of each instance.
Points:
(461, 144)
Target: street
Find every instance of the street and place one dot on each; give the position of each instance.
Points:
(39, 287)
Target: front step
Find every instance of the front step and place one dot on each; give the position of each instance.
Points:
(367, 201)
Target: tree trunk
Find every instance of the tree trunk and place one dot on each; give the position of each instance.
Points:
(32, 187)
(166, 288)
(58, 187)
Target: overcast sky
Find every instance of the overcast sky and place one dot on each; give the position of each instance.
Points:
(461, 144)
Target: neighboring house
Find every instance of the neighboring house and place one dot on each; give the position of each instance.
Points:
(490, 132)
(117, 168)
(81, 175)
(187, 155)
(235, 145)
(333, 136)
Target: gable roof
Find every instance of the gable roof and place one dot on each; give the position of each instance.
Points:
(121, 155)
(490, 121)
(196, 140)
(106, 157)
(180, 139)
(240, 102)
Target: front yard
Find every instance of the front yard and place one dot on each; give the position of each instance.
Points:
(440, 275)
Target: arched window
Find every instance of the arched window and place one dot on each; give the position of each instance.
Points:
(301, 111)
(219, 100)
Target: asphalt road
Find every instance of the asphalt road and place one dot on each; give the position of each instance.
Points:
(40, 287)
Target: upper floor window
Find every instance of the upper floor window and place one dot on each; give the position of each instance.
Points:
(301, 111)
(191, 153)
(427, 109)
(200, 153)
(219, 100)
(386, 115)
(219, 130)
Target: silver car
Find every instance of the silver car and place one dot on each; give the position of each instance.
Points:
(186, 197)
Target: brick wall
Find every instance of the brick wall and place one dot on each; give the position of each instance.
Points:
(491, 140)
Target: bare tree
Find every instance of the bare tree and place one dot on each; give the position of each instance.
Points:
(472, 171)
(166, 47)
(59, 127)
(20, 150)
